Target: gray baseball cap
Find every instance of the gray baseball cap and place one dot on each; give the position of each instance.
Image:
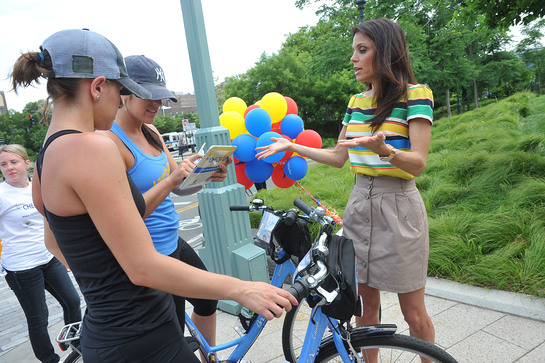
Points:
(81, 53)
(147, 73)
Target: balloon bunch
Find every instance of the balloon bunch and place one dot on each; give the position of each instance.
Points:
(253, 126)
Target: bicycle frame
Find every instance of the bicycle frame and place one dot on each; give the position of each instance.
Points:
(243, 343)
(315, 331)
(313, 338)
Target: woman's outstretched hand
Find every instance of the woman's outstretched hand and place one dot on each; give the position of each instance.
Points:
(374, 143)
(279, 145)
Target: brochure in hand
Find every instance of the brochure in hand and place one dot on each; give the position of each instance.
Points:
(210, 163)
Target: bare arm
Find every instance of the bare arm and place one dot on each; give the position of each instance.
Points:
(116, 217)
(219, 176)
(157, 194)
(413, 161)
(336, 157)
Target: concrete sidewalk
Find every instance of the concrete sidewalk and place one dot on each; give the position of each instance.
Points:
(472, 324)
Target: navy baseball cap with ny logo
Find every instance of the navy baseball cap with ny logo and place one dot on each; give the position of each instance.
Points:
(148, 74)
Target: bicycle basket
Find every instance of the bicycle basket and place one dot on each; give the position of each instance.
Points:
(295, 239)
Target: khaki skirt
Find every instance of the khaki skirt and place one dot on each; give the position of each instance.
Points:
(386, 218)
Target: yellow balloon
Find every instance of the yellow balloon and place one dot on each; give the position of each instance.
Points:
(235, 104)
(276, 106)
(234, 122)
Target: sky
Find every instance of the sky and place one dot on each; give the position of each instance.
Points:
(238, 32)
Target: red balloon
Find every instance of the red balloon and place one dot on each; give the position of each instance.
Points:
(280, 179)
(249, 108)
(276, 127)
(288, 154)
(241, 176)
(292, 106)
(309, 138)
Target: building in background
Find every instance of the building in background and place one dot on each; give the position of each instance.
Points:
(3, 104)
(187, 103)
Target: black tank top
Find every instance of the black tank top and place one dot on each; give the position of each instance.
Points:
(117, 310)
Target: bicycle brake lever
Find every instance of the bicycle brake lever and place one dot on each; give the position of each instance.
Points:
(329, 296)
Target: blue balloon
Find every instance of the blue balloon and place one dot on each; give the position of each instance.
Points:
(264, 140)
(257, 122)
(245, 150)
(291, 125)
(296, 168)
(258, 171)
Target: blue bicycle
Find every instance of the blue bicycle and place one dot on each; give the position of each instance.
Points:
(326, 339)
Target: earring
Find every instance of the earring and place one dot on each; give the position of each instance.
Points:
(98, 97)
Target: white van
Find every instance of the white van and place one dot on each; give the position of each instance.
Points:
(171, 139)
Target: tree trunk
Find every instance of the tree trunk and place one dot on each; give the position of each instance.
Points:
(449, 112)
(476, 94)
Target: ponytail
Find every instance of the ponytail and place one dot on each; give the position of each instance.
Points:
(30, 67)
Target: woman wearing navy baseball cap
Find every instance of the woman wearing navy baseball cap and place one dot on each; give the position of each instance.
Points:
(156, 174)
(94, 212)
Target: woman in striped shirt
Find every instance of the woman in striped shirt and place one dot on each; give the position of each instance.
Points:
(385, 136)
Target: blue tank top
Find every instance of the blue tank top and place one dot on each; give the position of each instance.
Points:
(147, 171)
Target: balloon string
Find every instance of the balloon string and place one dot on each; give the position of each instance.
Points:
(332, 213)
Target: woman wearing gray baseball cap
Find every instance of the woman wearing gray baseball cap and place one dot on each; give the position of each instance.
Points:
(94, 212)
(156, 174)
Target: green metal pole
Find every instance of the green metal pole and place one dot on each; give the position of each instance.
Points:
(229, 247)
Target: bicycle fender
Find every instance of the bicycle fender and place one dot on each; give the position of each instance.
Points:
(368, 330)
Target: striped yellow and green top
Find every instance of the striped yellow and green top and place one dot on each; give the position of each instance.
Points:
(419, 104)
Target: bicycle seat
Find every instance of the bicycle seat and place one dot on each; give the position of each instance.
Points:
(193, 343)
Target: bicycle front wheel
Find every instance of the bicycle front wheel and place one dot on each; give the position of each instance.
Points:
(392, 348)
(294, 330)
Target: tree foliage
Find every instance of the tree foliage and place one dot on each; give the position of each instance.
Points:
(453, 49)
(174, 123)
(504, 13)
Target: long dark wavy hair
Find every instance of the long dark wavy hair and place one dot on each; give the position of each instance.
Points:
(392, 64)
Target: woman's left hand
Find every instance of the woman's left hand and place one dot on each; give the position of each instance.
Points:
(221, 174)
(374, 143)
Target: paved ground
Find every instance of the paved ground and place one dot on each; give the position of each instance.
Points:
(472, 324)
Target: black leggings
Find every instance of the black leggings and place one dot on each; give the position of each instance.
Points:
(201, 307)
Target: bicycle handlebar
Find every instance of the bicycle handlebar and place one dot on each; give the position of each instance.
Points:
(301, 287)
(307, 209)
(291, 217)
(299, 290)
(247, 208)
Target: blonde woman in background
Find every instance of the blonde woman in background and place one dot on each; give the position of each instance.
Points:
(31, 269)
